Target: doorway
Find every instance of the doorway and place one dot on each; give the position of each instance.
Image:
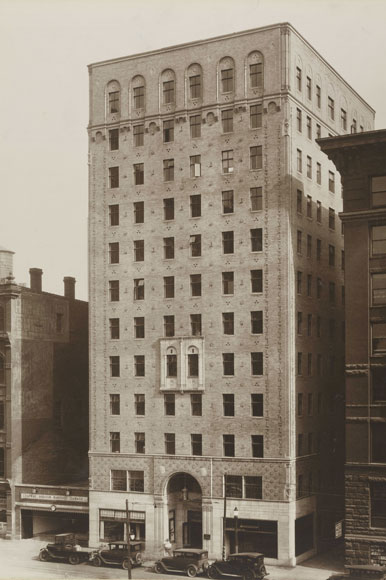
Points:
(184, 500)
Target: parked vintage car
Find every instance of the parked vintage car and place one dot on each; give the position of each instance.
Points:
(188, 560)
(246, 565)
(65, 548)
(116, 553)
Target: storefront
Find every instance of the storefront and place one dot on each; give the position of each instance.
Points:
(252, 536)
(112, 525)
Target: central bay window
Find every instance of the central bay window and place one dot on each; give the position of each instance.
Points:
(256, 196)
(256, 75)
(193, 364)
(114, 215)
(139, 250)
(171, 365)
(257, 445)
(227, 201)
(169, 325)
(227, 120)
(115, 442)
(168, 131)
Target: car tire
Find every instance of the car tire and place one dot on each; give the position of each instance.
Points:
(248, 575)
(212, 572)
(96, 561)
(159, 568)
(262, 571)
(191, 571)
(138, 558)
(44, 555)
(74, 559)
(125, 564)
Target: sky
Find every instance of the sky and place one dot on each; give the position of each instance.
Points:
(45, 47)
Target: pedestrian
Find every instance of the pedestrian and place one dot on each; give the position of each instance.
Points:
(167, 547)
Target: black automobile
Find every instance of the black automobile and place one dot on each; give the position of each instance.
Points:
(116, 554)
(188, 560)
(246, 565)
(64, 548)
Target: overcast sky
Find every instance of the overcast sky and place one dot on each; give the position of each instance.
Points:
(45, 48)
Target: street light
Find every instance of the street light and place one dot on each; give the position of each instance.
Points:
(236, 517)
(129, 537)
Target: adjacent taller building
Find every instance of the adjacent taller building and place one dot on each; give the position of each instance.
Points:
(216, 295)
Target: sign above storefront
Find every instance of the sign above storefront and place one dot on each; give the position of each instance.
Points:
(50, 498)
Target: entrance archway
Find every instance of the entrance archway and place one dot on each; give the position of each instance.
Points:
(184, 501)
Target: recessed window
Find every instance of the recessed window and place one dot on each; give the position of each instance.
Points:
(331, 181)
(227, 120)
(378, 191)
(309, 167)
(256, 157)
(378, 287)
(299, 279)
(228, 361)
(139, 212)
(168, 208)
(139, 442)
(114, 139)
(331, 108)
(169, 92)
(256, 116)
(299, 364)
(331, 292)
(256, 240)
(171, 365)
(139, 250)
(118, 480)
(115, 404)
(169, 286)
(139, 174)
(60, 322)
(318, 97)
(195, 284)
(195, 324)
(228, 402)
(114, 366)
(168, 248)
(318, 173)
(309, 88)
(343, 119)
(114, 252)
(169, 325)
(319, 212)
(195, 126)
(168, 131)
(138, 135)
(318, 249)
(114, 328)
(378, 245)
(256, 281)
(299, 120)
(170, 443)
(227, 161)
(309, 284)
(318, 131)
(298, 78)
(193, 365)
(114, 102)
(139, 404)
(139, 365)
(257, 404)
(168, 166)
(256, 197)
(195, 86)
(196, 443)
(378, 384)
(354, 126)
(256, 363)
(309, 128)
(170, 404)
(256, 75)
(299, 161)
(309, 206)
(139, 327)
(196, 404)
(257, 442)
(378, 336)
(195, 166)
(229, 445)
(299, 238)
(228, 322)
(299, 325)
(227, 80)
(115, 442)
(331, 218)
(299, 201)
(113, 177)
(195, 205)
(257, 322)
(228, 242)
(227, 201)
(309, 246)
(139, 289)
(227, 282)
(300, 404)
(114, 290)
(139, 97)
(331, 255)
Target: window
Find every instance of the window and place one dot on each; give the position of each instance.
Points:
(331, 108)
(310, 439)
(256, 363)
(195, 284)
(299, 277)
(318, 173)
(139, 212)
(139, 97)
(227, 201)
(113, 177)
(139, 442)
(228, 445)
(228, 403)
(354, 126)
(233, 484)
(256, 157)
(139, 289)
(309, 364)
(309, 284)
(309, 324)
(309, 166)
(256, 116)
(319, 286)
(319, 212)
(299, 120)
(343, 119)
(309, 128)
(114, 328)
(299, 325)
(60, 322)
(309, 206)
(299, 160)
(378, 240)
(299, 365)
(298, 78)
(139, 174)
(115, 404)
(118, 480)
(300, 404)
(168, 165)
(256, 196)
(196, 404)
(227, 242)
(299, 238)
(378, 384)
(227, 120)
(331, 255)
(114, 214)
(227, 161)
(299, 201)
(169, 325)
(136, 480)
(139, 404)
(170, 443)
(168, 248)
(378, 447)
(114, 252)
(228, 363)
(318, 131)
(228, 323)
(195, 205)
(331, 181)
(139, 365)
(114, 102)
(195, 165)
(318, 97)
(195, 324)
(300, 443)
(227, 80)
(195, 126)
(257, 322)
(139, 327)
(114, 290)
(256, 240)
(171, 365)
(342, 260)
(114, 366)
(309, 88)
(114, 139)
(139, 250)
(256, 281)
(195, 86)
(168, 131)
(257, 404)
(227, 282)
(256, 75)
(331, 218)
(378, 287)
(378, 336)
(168, 92)
(331, 292)
(138, 133)
(170, 404)
(257, 445)
(309, 246)
(378, 504)
(378, 191)
(195, 245)
(196, 443)
(168, 286)
(115, 442)
(253, 487)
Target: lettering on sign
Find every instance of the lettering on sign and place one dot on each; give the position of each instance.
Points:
(40, 496)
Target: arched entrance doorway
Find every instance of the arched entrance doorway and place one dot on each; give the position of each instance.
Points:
(184, 501)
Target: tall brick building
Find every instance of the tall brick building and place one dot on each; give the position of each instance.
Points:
(216, 294)
(360, 160)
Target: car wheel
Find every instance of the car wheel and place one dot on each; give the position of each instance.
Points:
(211, 572)
(262, 571)
(44, 556)
(73, 559)
(159, 568)
(191, 571)
(96, 561)
(138, 558)
(249, 575)
(125, 564)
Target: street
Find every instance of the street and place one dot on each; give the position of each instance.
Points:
(19, 560)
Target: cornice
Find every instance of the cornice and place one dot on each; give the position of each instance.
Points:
(363, 214)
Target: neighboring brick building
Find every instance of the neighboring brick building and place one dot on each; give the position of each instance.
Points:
(361, 161)
(216, 289)
(43, 399)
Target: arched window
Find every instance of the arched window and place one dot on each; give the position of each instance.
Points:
(194, 82)
(168, 87)
(227, 75)
(171, 362)
(138, 92)
(2, 319)
(193, 362)
(255, 70)
(2, 370)
(113, 98)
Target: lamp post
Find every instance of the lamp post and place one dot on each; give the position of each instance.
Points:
(129, 536)
(236, 517)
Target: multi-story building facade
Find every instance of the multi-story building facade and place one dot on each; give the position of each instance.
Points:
(216, 288)
(43, 406)
(360, 160)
